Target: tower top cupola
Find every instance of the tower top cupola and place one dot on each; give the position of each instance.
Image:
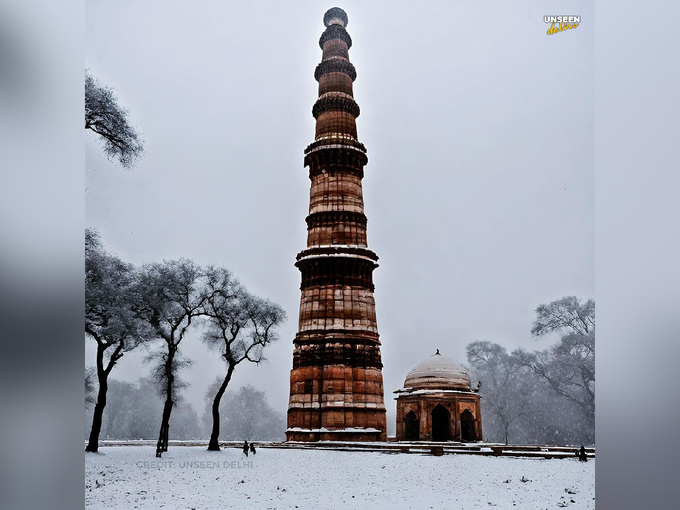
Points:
(335, 16)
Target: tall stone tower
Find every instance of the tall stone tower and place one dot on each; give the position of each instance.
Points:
(336, 385)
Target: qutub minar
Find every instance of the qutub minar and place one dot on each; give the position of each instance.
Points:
(336, 384)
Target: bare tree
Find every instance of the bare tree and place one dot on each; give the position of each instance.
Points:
(249, 416)
(568, 314)
(504, 385)
(569, 366)
(90, 387)
(119, 407)
(240, 326)
(111, 318)
(174, 295)
(106, 117)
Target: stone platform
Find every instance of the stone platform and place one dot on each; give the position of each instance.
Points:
(395, 447)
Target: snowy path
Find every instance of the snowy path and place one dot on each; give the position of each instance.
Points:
(190, 477)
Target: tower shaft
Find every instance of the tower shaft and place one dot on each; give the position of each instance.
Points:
(336, 386)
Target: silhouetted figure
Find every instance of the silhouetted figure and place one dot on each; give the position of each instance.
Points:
(252, 448)
(245, 448)
(582, 455)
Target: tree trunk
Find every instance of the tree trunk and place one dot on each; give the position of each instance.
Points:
(162, 445)
(214, 444)
(102, 377)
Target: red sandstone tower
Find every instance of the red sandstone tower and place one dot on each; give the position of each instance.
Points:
(336, 386)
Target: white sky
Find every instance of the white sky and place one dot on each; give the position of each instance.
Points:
(479, 189)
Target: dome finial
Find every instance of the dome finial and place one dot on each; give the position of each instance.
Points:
(437, 353)
(335, 16)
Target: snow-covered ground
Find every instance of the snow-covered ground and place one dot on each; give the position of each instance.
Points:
(190, 477)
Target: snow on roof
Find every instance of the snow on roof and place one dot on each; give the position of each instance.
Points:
(411, 391)
(438, 372)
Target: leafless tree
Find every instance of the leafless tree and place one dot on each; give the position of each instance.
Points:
(240, 326)
(106, 117)
(111, 318)
(569, 366)
(567, 314)
(249, 416)
(504, 383)
(174, 294)
(90, 387)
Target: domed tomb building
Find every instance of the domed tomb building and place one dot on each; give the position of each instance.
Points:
(438, 404)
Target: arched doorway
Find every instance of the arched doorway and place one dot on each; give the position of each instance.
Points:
(441, 423)
(411, 427)
(467, 426)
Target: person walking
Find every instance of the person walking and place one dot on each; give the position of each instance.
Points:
(245, 447)
(582, 455)
(252, 448)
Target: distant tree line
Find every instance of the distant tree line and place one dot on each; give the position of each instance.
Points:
(245, 414)
(545, 396)
(134, 411)
(156, 305)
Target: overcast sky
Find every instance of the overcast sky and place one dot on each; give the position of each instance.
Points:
(479, 189)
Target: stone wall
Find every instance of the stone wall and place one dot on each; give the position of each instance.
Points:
(423, 405)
